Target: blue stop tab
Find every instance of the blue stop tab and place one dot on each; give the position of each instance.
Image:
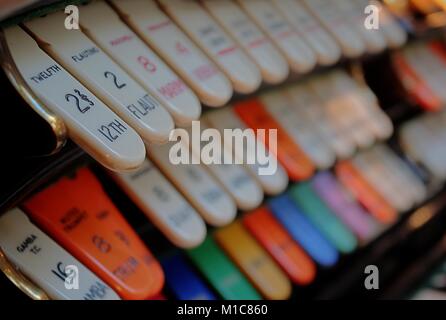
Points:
(183, 281)
(303, 231)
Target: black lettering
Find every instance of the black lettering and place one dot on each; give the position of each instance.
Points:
(85, 54)
(113, 130)
(46, 74)
(109, 74)
(26, 243)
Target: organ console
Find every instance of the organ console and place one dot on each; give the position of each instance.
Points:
(222, 149)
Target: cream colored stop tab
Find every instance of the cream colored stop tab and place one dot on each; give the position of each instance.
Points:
(91, 124)
(273, 66)
(324, 46)
(197, 185)
(282, 108)
(366, 106)
(213, 40)
(145, 17)
(90, 65)
(163, 205)
(385, 182)
(316, 104)
(408, 179)
(332, 19)
(300, 57)
(408, 184)
(348, 110)
(273, 183)
(246, 192)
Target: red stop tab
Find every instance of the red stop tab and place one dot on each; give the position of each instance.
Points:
(78, 214)
(415, 85)
(275, 239)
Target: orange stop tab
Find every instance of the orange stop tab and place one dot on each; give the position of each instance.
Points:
(77, 213)
(415, 85)
(373, 201)
(297, 164)
(275, 239)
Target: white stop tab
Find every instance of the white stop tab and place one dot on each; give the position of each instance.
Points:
(407, 177)
(349, 108)
(320, 41)
(366, 105)
(298, 54)
(91, 124)
(201, 190)
(384, 182)
(316, 108)
(389, 176)
(345, 111)
(163, 205)
(395, 171)
(422, 145)
(307, 106)
(101, 75)
(46, 263)
(273, 66)
(155, 27)
(274, 180)
(214, 41)
(282, 108)
(101, 23)
(332, 19)
(342, 121)
(246, 192)
(409, 186)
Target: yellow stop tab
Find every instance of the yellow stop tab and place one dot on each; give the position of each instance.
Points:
(253, 260)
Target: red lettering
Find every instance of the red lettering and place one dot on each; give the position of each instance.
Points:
(121, 40)
(205, 72)
(147, 64)
(172, 89)
(181, 49)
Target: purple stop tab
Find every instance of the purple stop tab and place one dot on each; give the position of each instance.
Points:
(342, 203)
